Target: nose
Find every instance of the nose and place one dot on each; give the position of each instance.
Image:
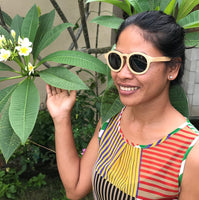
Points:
(125, 71)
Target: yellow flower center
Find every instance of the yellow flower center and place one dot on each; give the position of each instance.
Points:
(24, 50)
(30, 68)
(5, 56)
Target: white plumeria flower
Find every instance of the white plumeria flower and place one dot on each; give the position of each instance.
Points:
(23, 50)
(4, 55)
(2, 40)
(30, 69)
(24, 42)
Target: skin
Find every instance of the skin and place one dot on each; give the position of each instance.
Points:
(147, 108)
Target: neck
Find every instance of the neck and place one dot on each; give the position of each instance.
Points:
(150, 111)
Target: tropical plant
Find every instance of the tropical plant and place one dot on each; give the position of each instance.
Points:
(22, 43)
(182, 10)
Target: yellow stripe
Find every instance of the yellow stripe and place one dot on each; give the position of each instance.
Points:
(120, 168)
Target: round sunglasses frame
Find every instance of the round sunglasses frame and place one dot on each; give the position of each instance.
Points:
(148, 58)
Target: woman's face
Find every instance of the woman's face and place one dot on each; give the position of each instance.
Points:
(135, 89)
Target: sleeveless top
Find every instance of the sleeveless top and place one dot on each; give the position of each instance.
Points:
(124, 171)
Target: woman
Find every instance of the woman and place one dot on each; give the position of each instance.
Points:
(148, 150)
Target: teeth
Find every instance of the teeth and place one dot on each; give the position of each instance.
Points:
(128, 88)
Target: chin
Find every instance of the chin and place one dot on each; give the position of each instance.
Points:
(128, 102)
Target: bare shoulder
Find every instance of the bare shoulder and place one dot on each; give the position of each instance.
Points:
(190, 179)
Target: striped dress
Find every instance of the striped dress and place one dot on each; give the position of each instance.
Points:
(124, 171)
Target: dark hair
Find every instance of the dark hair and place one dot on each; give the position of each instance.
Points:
(163, 31)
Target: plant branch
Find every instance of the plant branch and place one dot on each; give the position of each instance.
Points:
(45, 64)
(2, 22)
(98, 50)
(39, 145)
(81, 27)
(64, 19)
(84, 24)
(96, 74)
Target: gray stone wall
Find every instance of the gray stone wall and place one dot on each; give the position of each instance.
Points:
(191, 80)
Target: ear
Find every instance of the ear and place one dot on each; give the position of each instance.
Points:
(173, 68)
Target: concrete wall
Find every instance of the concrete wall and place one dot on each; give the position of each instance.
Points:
(191, 80)
(71, 10)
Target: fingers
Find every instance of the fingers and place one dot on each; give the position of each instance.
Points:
(73, 93)
(53, 91)
(48, 90)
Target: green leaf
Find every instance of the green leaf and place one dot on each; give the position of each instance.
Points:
(61, 77)
(77, 58)
(9, 141)
(192, 39)
(190, 21)
(24, 108)
(108, 21)
(50, 36)
(185, 8)
(164, 4)
(4, 67)
(111, 104)
(45, 24)
(170, 7)
(5, 94)
(16, 25)
(153, 4)
(140, 5)
(7, 18)
(120, 4)
(179, 100)
(30, 24)
(5, 33)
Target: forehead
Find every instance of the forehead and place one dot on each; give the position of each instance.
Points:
(132, 39)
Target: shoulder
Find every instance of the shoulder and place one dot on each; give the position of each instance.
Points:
(109, 124)
(190, 179)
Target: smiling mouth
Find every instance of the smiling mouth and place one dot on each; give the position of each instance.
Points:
(123, 88)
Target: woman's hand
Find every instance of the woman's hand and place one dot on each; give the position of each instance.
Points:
(59, 102)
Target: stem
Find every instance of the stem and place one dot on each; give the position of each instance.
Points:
(96, 74)
(14, 77)
(27, 59)
(84, 24)
(64, 19)
(39, 145)
(17, 60)
(17, 72)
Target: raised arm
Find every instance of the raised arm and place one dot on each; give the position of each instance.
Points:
(75, 173)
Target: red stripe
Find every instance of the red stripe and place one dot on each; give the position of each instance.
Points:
(160, 175)
(160, 169)
(173, 168)
(181, 141)
(174, 144)
(189, 132)
(157, 193)
(170, 157)
(165, 146)
(161, 160)
(158, 180)
(158, 186)
(162, 149)
(169, 198)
